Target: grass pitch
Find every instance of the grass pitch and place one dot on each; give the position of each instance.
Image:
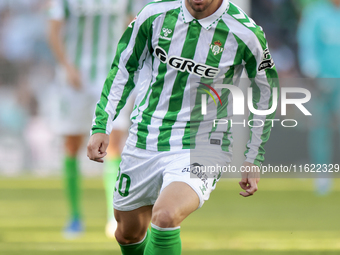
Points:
(285, 217)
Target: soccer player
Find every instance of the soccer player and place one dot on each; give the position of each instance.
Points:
(319, 48)
(83, 36)
(191, 47)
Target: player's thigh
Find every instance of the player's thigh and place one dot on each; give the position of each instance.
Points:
(174, 204)
(200, 170)
(132, 225)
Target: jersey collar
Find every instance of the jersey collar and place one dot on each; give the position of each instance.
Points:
(208, 21)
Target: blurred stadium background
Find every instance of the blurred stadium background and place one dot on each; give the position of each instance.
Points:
(285, 216)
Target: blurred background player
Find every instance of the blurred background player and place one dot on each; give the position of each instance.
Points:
(83, 36)
(319, 41)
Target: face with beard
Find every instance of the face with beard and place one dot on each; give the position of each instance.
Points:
(200, 9)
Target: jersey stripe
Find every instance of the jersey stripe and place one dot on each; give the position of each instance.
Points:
(101, 114)
(157, 87)
(176, 98)
(66, 9)
(262, 85)
(195, 125)
(177, 35)
(96, 34)
(222, 111)
(125, 64)
(79, 49)
(233, 71)
(110, 38)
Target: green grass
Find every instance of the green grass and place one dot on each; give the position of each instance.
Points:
(283, 218)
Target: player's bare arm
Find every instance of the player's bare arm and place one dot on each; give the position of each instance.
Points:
(97, 146)
(249, 180)
(58, 49)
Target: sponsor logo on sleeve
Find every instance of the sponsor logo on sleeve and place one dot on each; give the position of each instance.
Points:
(267, 62)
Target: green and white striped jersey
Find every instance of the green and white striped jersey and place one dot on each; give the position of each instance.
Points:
(182, 53)
(91, 34)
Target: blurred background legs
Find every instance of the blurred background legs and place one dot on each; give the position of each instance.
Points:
(74, 227)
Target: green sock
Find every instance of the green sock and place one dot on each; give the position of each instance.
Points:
(135, 249)
(164, 241)
(111, 167)
(71, 182)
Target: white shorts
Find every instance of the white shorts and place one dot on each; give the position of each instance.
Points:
(144, 174)
(73, 110)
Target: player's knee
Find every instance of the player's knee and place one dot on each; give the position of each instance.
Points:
(164, 218)
(125, 237)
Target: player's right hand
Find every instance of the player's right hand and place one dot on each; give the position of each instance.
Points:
(73, 77)
(96, 147)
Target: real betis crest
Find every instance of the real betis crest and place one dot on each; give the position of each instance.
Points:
(216, 47)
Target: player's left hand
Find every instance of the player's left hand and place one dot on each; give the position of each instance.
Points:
(250, 179)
